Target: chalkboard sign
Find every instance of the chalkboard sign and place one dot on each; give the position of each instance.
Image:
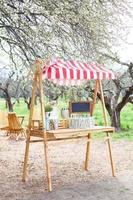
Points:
(76, 107)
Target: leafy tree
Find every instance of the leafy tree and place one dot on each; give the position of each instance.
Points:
(50, 28)
(118, 92)
(76, 29)
(5, 87)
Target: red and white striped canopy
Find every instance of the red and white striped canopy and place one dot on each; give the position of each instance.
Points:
(73, 73)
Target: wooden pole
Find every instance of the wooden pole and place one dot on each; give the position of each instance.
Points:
(44, 132)
(26, 158)
(87, 159)
(110, 154)
(103, 103)
(33, 97)
(106, 123)
(95, 96)
(29, 127)
(42, 105)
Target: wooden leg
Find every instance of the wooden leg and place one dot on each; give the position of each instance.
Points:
(47, 166)
(26, 160)
(17, 137)
(110, 155)
(23, 134)
(88, 152)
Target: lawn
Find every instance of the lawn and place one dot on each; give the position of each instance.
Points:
(126, 116)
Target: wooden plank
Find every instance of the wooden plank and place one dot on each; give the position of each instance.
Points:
(33, 99)
(43, 125)
(26, 159)
(30, 125)
(42, 103)
(94, 129)
(103, 103)
(87, 159)
(106, 123)
(110, 154)
(95, 96)
(69, 133)
(63, 131)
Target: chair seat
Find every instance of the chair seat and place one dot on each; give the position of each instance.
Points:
(19, 129)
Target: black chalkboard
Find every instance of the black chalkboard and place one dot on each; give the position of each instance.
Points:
(79, 107)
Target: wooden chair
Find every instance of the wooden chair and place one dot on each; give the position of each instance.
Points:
(15, 126)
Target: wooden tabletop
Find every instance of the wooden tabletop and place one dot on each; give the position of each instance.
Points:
(94, 129)
(62, 134)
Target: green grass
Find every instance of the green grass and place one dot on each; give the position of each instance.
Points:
(123, 135)
(19, 108)
(2, 104)
(126, 117)
(126, 135)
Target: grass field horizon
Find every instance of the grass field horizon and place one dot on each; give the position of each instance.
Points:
(126, 116)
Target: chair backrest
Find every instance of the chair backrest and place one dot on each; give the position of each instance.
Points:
(36, 115)
(3, 119)
(13, 121)
(36, 119)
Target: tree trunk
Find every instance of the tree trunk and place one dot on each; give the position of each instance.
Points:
(9, 103)
(115, 119)
(6, 104)
(114, 116)
(28, 102)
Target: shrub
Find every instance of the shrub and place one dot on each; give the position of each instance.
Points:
(48, 108)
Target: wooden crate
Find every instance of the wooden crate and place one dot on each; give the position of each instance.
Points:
(63, 123)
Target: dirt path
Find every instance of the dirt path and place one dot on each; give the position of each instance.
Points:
(68, 174)
(120, 188)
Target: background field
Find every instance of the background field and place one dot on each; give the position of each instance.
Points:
(126, 116)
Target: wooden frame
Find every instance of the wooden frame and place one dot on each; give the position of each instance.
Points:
(80, 112)
(62, 134)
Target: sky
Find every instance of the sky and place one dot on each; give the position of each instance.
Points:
(126, 50)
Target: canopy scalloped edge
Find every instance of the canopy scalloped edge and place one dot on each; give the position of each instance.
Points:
(74, 73)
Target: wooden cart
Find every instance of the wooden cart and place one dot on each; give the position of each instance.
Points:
(62, 134)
